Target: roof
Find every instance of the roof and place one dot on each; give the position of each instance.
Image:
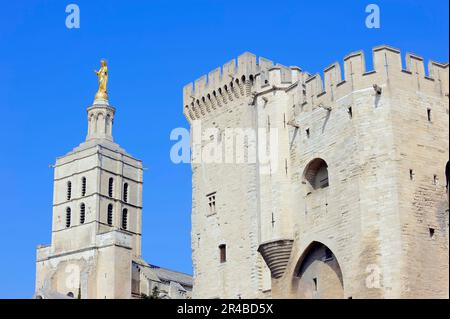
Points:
(104, 143)
(171, 275)
(157, 273)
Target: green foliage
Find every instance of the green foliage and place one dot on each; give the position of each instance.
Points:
(154, 295)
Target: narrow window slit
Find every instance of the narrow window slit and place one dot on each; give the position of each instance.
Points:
(111, 187)
(223, 253)
(315, 284)
(431, 231)
(68, 217)
(125, 192)
(82, 213)
(125, 219)
(69, 190)
(110, 215)
(83, 186)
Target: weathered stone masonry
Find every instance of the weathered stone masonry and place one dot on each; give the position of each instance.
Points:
(355, 205)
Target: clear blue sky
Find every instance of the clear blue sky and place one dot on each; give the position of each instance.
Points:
(153, 49)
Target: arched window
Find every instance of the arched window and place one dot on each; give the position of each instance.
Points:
(83, 186)
(110, 214)
(100, 123)
(69, 190)
(111, 187)
(316, 174)
(91, 124)
(82, 213)
(68, 217)
(107, 124)
(125, 192)
(125, 218)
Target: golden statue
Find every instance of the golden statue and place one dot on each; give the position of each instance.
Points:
(102, 74)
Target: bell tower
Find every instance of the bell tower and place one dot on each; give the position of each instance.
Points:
(97, 213)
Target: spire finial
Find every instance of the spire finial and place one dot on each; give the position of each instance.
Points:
(101, 114)
(102, 74)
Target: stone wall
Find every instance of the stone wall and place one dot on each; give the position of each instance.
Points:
(386, 226)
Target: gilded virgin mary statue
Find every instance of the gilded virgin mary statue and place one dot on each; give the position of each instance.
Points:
(102, 74)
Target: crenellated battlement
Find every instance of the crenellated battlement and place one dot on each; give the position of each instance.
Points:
(234, 81)
(249, 76)
(387, 70)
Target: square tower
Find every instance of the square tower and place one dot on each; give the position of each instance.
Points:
(97, 214)
(351, 205)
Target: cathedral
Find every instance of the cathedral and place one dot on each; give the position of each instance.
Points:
(95, 250)
(325, 185)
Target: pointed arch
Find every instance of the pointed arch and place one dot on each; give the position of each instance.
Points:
(91, 126)
(319, 273)
(100, 123)
(108, 124)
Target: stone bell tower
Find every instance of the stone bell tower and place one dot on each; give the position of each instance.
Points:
(97, 213)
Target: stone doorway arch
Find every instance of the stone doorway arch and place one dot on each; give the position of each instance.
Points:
(318, 274)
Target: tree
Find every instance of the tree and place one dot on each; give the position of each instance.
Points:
(155, 293)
